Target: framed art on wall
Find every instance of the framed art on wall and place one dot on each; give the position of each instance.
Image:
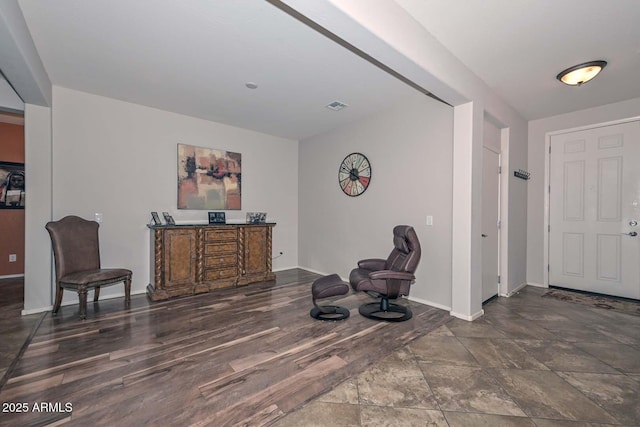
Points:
(12, 185)
(208, 178)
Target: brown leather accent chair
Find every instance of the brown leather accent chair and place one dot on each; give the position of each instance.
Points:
(389, 278)
(77, 257)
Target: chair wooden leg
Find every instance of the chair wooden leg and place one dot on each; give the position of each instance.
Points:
(127, 291)
(96, 294)
(56, 305)
(82, 295)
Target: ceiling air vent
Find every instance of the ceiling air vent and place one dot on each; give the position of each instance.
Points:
(336, 106)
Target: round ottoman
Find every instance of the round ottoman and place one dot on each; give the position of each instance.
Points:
(325, 287)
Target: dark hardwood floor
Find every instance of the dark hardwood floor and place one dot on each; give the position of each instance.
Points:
(244, 356)
(14, 328)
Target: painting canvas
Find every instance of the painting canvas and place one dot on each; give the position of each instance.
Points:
(208, 178)
(12, 185)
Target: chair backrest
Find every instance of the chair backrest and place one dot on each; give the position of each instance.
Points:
(75, 245)
(405, 255)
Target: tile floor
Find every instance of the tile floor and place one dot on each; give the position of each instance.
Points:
(529, 361)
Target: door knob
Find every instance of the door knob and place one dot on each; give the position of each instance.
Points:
(633, 223)
(632, 234)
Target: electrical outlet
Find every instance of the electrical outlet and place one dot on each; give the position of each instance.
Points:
(98, 217)
(13, 258)
(429, 220)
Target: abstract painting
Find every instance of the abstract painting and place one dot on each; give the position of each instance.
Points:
(12, 185)
(208, 178)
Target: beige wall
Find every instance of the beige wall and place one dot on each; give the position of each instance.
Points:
(410, 150)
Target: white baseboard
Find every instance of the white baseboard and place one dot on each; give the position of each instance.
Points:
(322, 273)
(515, 290)
(537, 285)
(444, 307)
(35, 310)
(285, 268)
(11, 276)
(429, 303)
(467, 318)
(89, 299)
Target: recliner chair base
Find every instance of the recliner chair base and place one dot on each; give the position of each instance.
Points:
(388, 312)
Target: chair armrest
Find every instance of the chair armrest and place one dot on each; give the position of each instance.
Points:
(372, 264)
(390, 274)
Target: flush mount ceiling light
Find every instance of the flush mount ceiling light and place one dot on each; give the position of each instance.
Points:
(582, 73)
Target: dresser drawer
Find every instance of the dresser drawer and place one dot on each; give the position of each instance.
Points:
(220, 235)
(217, 248)
(216, 261)
(222, 273)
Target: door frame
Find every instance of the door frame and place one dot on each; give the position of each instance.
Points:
(500, 284)
(547, 182)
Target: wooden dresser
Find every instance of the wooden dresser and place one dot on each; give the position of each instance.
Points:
(190, 259)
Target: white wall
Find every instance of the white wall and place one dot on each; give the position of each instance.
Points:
(119, 159)
(491, 135)
(37, 256)
(536, 155)
(410, 150)
(9, 100)
(19, 60)
(392, 36)
(516, 221)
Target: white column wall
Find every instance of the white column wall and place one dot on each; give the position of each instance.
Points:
(38, 260)
(466, 287)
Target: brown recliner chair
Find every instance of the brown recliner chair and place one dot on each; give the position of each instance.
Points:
(77, 257)
(390, 278)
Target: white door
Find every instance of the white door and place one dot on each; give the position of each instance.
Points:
(594, 207)
(490, 237)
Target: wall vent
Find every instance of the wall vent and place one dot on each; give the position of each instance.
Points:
(336, 106)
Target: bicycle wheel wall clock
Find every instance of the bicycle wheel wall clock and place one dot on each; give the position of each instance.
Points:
(354, 174)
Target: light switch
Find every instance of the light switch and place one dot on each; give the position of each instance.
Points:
(429, 220)
(98, 217)
(13, 258)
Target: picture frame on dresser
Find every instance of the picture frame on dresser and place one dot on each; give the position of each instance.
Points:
(168, 218)
(256, 217)
(217, 218)
(155, 219)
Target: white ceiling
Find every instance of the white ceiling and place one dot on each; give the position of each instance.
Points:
(194, 57)
(10, 101)
(519, 46)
